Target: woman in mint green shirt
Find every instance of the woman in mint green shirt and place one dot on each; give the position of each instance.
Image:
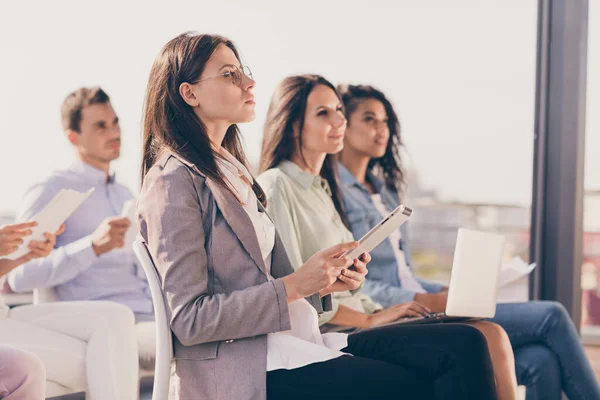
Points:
(304, 130)
(303, 197)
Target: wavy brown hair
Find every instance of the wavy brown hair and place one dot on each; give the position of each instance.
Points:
(170, 123)
(390, 165)
(287, 108)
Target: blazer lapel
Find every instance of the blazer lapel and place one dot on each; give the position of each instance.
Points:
(239, 221)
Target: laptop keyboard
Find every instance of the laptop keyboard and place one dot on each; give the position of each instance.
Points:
(435, 315)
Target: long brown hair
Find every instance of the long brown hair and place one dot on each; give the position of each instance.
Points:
(390, 165)
(170, 123)
(288, 106)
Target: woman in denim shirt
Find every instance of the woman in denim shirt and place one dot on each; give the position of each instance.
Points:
(548, 354)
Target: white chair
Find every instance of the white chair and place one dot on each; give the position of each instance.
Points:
(164, 347)
(522, 391)
(45, 295)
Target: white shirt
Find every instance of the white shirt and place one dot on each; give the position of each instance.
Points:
(303, 344)
(404, 273)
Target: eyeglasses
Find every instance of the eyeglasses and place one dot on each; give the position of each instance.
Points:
(235, 75)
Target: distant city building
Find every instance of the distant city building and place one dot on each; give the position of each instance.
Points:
(435, 223)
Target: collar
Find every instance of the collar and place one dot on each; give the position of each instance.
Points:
(238, 168)
(346, 177)
(92, 173)
(302, 178)
(168, 153)
(375, 181)
(349, 180)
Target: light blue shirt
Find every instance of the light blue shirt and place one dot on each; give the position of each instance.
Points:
(73, 267)
(383, 283)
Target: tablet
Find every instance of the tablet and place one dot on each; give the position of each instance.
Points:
(381, 231)
(54, 213)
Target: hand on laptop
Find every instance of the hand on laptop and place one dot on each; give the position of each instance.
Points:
(394, 313)
(436, 302)
(110, 234)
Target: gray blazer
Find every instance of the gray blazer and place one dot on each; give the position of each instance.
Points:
(220, 303)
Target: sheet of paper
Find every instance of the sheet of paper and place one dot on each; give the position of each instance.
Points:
(128, 212)
(51, 216)
(515, 269)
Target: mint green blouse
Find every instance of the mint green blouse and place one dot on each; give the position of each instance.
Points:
(303, 212)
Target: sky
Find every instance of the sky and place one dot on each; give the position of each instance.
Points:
(460, 73)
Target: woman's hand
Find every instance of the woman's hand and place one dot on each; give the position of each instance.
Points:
(43, 249)
(11, 236)
(436, 302)
(394, 313)
(350, 279)
(37, 249)
(318, 272)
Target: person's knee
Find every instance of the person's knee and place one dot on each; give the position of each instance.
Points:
(123, 315)
(497, 340)
(469, 349)
(548, 308)
(117, 315)
(37, 369)
(27, 366)
(534, 362)
(492, 331)
(117, 310)
(556, 310)
(553, 314)
(469, 337)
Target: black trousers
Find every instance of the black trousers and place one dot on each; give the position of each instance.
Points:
(441, 361)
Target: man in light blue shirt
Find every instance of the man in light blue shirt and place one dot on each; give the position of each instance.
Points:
(90, 261)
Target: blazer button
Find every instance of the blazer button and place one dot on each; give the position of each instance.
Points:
(229, 341)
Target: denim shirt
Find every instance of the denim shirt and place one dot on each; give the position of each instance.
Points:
(383, 283)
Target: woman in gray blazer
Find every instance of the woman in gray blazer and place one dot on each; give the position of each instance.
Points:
(245, 324)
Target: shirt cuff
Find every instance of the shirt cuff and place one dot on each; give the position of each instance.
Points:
(282, 304)
(328, 315)
(369, 305)
(82, 252)
(326, 303)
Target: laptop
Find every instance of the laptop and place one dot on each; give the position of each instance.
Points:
(473, 281)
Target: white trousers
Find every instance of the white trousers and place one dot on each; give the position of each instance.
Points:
(89, 346)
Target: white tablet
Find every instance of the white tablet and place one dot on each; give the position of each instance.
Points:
(381, 231)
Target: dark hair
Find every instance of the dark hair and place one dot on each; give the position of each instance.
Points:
(76, 101)
(288, 106)
(170, 123)
(390, 165)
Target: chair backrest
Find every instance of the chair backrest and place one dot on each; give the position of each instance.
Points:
(45, 295)
(164, 344)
